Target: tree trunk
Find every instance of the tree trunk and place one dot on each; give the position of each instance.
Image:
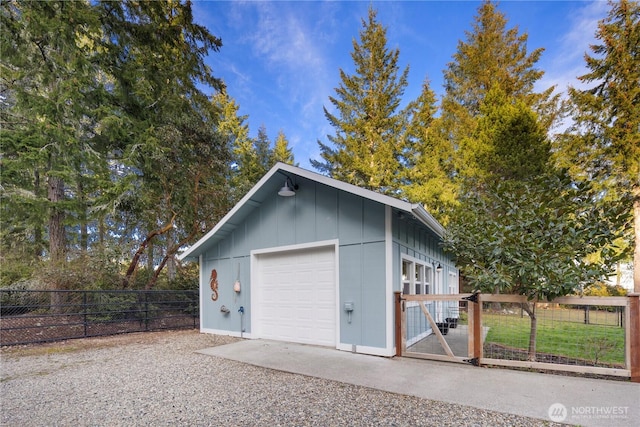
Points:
(636, 226)
(530, 308)
(83, 217)
(150, 256)
(141, 249)
(171, 268)
(102, 231)
(37, 227)
(171, 261)
(57, 245)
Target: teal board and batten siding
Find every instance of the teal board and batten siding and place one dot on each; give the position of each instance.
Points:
(412, 239)
(317, 213)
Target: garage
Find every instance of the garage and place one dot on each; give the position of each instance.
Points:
(309, 259)
(295, 295)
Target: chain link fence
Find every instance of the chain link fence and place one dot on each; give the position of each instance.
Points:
(28, 316)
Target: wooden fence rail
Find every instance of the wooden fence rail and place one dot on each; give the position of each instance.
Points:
(627, 307)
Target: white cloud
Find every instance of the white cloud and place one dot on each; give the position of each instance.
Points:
(566, 59)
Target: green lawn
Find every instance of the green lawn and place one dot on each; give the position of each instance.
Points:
(561, 332)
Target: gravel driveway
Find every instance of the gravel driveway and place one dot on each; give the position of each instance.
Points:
(157, 379)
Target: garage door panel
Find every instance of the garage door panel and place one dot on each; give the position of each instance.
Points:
(297, 296)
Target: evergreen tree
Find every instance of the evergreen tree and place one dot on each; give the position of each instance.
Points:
(166, 122)
(235, 131)
(428, 159)
(603, 145)
(281, 151)
(106, 129)
(492, 56)
(53, 93)
(367, 147)
(262, 146)
(508, 142)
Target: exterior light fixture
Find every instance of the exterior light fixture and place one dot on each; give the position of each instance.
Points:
(439, 268)
(289, 189)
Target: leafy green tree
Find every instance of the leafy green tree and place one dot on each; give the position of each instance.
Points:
(533, 238)
(523, 227)
(367, 147)
(603, 144)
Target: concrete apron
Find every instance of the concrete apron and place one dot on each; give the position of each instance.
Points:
(587, 402)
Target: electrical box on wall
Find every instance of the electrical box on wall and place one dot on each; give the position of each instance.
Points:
(348, 306)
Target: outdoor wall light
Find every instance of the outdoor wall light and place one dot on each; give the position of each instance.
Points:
(439, 268)
(289, 188)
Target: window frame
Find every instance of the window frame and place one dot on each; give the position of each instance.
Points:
(411, 279)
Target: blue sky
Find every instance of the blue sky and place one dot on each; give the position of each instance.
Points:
(280, 60)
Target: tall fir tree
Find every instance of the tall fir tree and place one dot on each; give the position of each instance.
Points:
(491, 56)
(367, 147)
(235, 131)
(262, 146)
(510, 143)
(51, 81)
(281, 151)
(603, 144)
(427, 173)
(100, 94)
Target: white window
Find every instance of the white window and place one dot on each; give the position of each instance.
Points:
(406, 276)
(419, 278)
(416, 276)
(453, 283)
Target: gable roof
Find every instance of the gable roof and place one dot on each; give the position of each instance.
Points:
(271, 183)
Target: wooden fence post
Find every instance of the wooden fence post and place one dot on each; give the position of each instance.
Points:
(401, 326)
(634, 336)
(477, 328)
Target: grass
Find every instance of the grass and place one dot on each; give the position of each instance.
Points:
(563, 333)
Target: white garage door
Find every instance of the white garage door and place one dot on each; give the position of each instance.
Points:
(296, 296)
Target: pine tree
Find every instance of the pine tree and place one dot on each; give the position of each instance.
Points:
(492, 56)
(262, 146)
(106, 126)
(367, 147)
(53, 92)
(427, 178)
(281, 151)
(603, 145)
(234, 130)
